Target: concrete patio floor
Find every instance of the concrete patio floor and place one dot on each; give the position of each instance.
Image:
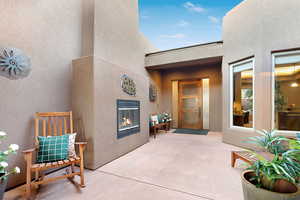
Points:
(173, 167)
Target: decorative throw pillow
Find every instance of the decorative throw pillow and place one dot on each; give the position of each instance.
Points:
(53, 148)
(154, 119)
(72, 152)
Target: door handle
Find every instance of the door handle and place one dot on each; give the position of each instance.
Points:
(199, 111)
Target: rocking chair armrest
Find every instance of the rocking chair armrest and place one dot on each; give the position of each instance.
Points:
(81, 143)
(29, 150)
(82, 146)
(28, 155)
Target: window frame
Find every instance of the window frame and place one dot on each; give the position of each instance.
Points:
(274, 55)
(231, 66)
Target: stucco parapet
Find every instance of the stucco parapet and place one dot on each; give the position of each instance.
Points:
(184, 54)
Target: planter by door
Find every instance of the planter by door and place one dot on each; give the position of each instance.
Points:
(251, 192)
(2, 187)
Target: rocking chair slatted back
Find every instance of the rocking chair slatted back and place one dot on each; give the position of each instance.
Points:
(53, 124)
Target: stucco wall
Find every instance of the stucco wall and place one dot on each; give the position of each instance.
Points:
(119, 48)
(88, 16)
(256, 28)
(53, 33)
(197, 52)
(83, 103)
(213, 72)
(49, 32)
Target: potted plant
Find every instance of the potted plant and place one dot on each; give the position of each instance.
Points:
(276, 176)
(166, 118)
(270, 142)
(4, 172)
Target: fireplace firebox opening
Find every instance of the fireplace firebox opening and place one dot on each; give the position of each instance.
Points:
(128, 117)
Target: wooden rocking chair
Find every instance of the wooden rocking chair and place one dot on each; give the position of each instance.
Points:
(53, 124)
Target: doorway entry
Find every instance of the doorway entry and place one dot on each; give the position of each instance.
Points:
(190, 108)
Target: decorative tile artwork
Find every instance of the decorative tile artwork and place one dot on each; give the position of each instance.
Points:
(14, 64)
(152, 93)
(128, 85)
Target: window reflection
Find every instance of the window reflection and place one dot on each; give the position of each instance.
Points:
(243, 95)
(287, 93)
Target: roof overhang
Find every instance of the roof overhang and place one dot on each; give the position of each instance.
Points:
(203, 54)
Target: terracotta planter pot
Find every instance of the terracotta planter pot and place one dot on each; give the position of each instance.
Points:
(280, 186)
(251, 192)
(283, 186)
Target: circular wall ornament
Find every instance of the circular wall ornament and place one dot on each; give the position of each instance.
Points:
(14, 64)
(128, 85)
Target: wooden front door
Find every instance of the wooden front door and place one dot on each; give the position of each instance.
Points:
(190, 104)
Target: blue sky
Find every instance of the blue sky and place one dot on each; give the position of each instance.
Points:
(177, 23)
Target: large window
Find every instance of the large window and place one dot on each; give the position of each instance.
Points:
(286, 91)
(242, 93)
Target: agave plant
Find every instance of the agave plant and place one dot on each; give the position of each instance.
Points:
(269, 141)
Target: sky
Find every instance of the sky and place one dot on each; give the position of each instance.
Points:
(172, 24)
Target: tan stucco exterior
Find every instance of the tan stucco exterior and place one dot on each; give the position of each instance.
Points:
(189, 63)
(213, 72)
(202, 53)
(103, 40)
(53, 33)
(117, 51)
(51, 38)
(256, 28)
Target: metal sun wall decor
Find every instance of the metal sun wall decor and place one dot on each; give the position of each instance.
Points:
(14, 64)
(128, 85)
(152, 93)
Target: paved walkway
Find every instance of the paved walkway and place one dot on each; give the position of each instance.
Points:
(171, 167)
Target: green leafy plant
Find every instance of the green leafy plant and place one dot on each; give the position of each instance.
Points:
(247, 98)
(280, 100)
(283, 162)
(166, 117)
(12, 149)
(284, 167)
(269, 141)
(294, 144)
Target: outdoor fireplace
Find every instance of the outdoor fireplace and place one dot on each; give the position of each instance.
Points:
(128, 116)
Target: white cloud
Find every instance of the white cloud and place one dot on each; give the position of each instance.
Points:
(175, 36)
(183, 23)
(192, 7)
(214, 20)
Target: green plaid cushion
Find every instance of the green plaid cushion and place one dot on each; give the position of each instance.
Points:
(298, 136)
(53, 148)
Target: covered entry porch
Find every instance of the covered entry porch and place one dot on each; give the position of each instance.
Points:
(189, 85)
(164, 168)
